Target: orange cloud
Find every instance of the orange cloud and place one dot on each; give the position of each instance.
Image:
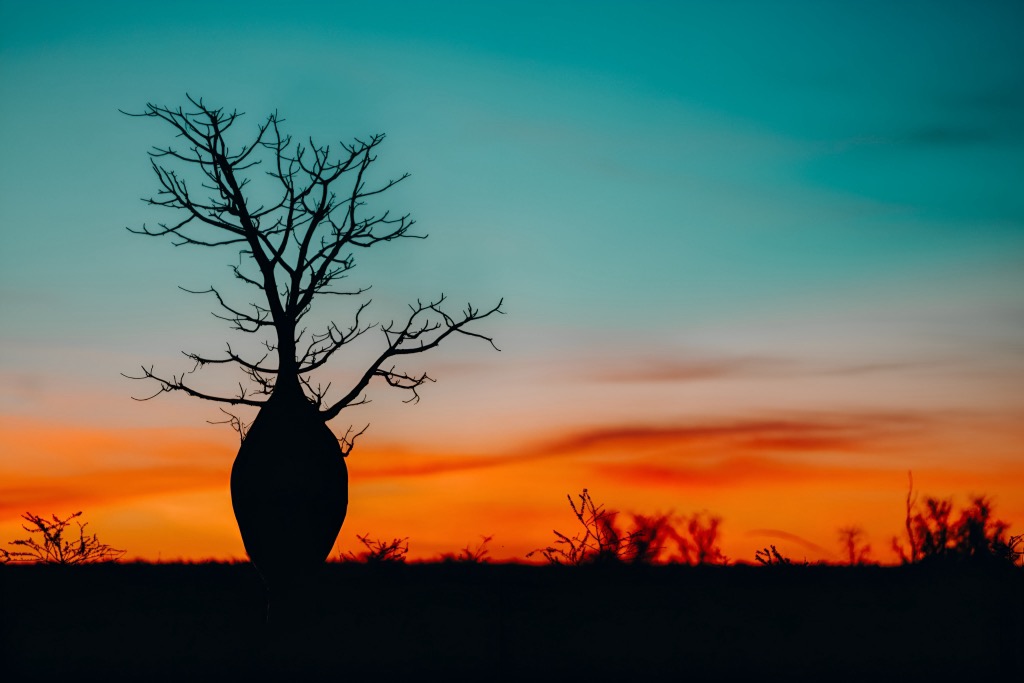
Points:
(52, 465)
(164, 492)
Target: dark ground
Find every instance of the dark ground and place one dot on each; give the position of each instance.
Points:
(514, 622)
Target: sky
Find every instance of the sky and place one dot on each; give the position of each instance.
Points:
(758, 259)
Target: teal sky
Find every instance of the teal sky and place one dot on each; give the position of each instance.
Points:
(770, 190)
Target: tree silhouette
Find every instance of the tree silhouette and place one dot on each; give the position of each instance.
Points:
(933, 534)
(851, 539)
(295, 243)
(702, 546)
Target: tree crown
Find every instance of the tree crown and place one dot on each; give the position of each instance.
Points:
(294, 248)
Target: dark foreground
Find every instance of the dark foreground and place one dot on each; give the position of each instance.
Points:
(513, 622)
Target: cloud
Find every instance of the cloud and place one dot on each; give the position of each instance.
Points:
(803, 432)
(882, 367)
(43, 494)
(673, 454)
(694, 369)
(50, 465)
(67, 463)
(660, 367)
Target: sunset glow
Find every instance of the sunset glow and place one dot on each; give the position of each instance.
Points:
(766, 480)
(757, 261)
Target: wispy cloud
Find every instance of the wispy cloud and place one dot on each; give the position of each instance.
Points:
(800, 433)
(53, 465)
(694, 366)
(677, 453)
(104, 486)
(692, 369)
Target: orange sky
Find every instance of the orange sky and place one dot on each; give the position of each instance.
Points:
(162, 493)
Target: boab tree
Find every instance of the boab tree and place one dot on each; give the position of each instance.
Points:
(289, 482)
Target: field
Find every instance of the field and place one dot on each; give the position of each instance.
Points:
(494, 622)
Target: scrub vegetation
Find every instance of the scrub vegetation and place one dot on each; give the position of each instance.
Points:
(603, 539)
(55, 541)
(377, 551)
(622, 597)
(935, 534)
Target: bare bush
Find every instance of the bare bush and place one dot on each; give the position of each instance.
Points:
(604, 539)
(468, 555)
(851, 538)
(701, 545)
(599, 542)
(1014, 551)
(51, 545)
(379, 551)
(772, 557)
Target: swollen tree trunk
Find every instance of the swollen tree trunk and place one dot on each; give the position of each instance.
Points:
(289, 488)
(289, 483)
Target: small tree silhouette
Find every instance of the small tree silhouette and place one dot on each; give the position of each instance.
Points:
(702, 545)
(56, 547)
(601, 540)
(857, 552)
(979, 535)
(934, 535)
(650, 537)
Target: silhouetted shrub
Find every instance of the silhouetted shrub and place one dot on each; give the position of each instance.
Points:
(601, 540)
(469, 555)
(772, 557)
(702, 545)
(604, 540)
(856, 551)
(649, 537)
(1012, 554)
(55, 548)
(933, 534)
(379, 551)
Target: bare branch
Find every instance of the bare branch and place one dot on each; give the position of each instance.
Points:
(348, 440)
(177, 383)
(414, 330)
(297, 244)
(240, 427)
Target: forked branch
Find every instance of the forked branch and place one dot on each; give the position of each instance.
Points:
(293, 246)
(420, 333)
